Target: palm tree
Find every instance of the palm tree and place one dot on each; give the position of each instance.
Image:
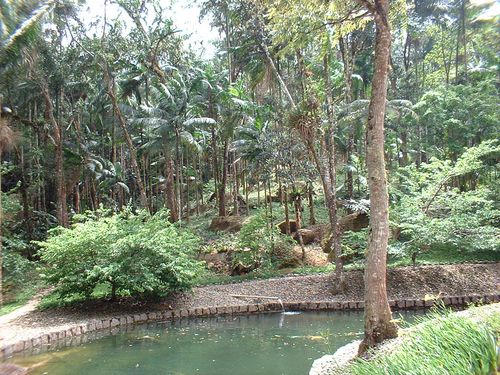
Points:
(20, 26)
(168, 126)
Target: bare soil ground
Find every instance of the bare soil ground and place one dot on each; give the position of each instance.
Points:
(403, 282)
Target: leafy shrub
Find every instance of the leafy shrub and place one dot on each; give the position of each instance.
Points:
(135, 254)
(460, 220)
(354, 244)
(17, 268)
(446, 205)
(262, 246)
(221, 245)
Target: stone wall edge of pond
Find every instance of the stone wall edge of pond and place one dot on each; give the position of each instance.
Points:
(94, 325)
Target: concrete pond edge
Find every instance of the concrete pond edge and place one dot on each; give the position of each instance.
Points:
(107, 325)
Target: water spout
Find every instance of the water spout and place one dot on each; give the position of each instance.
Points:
(282, 306)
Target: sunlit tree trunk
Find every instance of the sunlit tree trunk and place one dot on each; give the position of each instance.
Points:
(329, 186)
(378, 316)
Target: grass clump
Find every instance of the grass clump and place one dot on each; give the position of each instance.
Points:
(444, 343)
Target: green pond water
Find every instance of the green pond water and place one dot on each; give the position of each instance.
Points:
(264, 344)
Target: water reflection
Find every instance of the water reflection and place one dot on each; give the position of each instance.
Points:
(267, 344)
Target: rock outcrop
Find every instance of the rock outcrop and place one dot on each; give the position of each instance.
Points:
(227, 223)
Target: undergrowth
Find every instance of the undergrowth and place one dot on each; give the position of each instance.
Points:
(444, 343)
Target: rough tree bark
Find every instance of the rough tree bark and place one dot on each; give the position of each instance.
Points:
(223, 182)
(57, 139)
(110, 91)
(171, 202)
(348, 59)
(331, 174)
(310, 199)
(378, 316)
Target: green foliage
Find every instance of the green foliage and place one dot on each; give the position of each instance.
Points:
(443, 343)
(354, 244)
(259, 245)
(135, 254)
(17, 268)
(464, 221)
(437, 208)
(225, 244)
(455, 115)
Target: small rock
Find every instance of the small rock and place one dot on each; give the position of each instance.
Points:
(332, 364)
(227, 223)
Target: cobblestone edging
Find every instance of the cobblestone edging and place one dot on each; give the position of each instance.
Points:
(105, 326)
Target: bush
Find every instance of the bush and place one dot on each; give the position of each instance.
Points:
(448, 205)
(17, 269)
(134, 254)
(354, 244)
(258, 245)
(224, 244)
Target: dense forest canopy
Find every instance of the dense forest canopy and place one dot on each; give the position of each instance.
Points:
(120, 115)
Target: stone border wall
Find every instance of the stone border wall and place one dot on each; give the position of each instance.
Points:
(111, 324)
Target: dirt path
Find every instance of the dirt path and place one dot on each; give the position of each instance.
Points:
(23, 310)
(403, 283)
(8, 321)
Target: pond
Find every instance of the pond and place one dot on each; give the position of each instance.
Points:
(264, 344)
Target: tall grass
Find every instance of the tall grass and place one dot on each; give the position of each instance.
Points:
(443, 344)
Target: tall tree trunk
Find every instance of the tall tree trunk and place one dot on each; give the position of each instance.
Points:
(197, 181)
(378, 316)
(287, 213)
(271, 219)
(110, 91)
(57, 138)
(301, 72)
(171, 202)
(310, 199)
(213, 142)
(24, 195)
(330, 173)
(247, 193)
(236, 189)
(223, 182)
(347, 57)
(258, 193)
(178, 172)
(266, 199)
(269, 58)
(297, 202)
